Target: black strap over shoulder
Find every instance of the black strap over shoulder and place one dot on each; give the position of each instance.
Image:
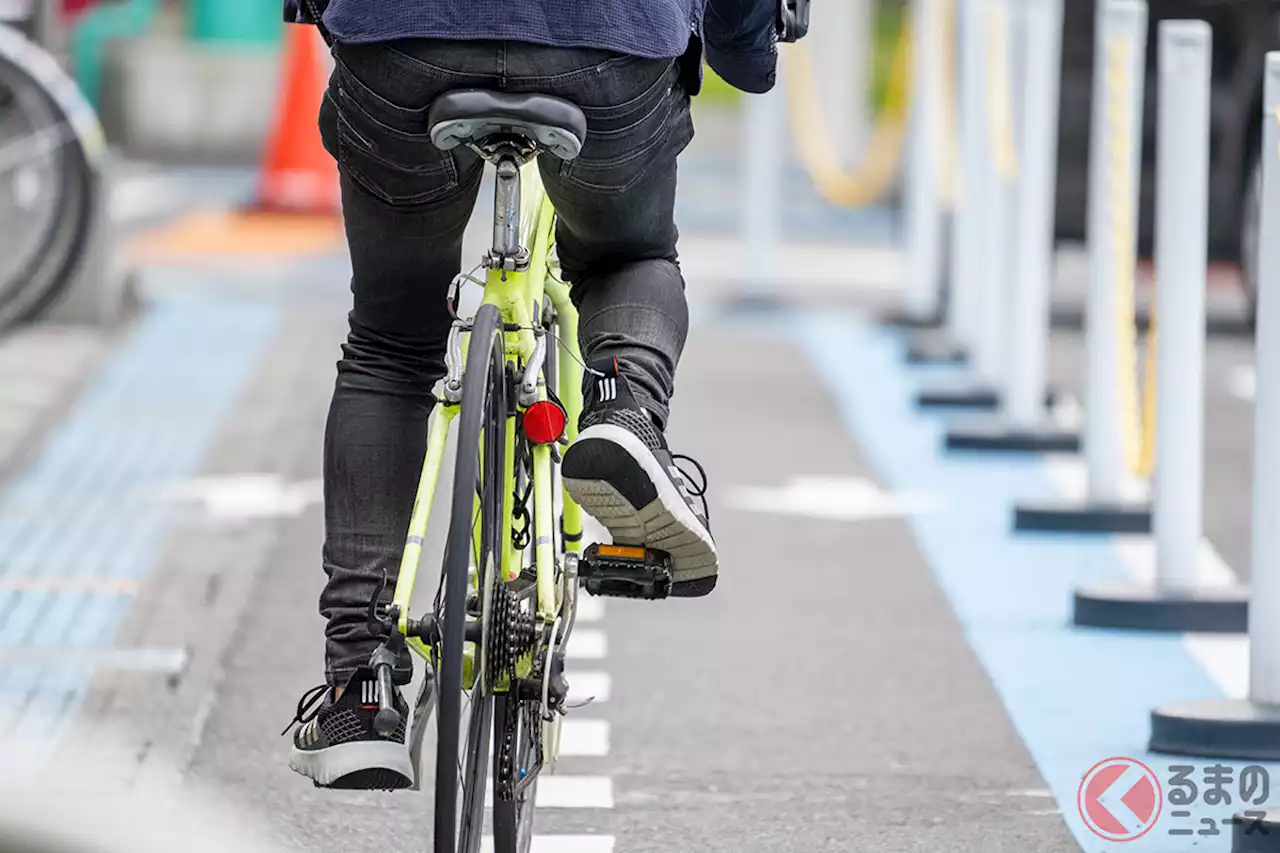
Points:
(308, 12)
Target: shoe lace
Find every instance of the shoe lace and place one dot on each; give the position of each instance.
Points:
(698, 490)
(308, 707)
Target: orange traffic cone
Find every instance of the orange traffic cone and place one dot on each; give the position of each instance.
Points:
(298, 175)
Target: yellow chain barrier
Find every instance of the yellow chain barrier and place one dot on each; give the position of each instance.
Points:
(1000, 95)
(1138, 412)
(945, 143)
(818, 153)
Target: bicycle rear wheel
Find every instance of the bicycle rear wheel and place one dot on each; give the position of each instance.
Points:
(473, 547)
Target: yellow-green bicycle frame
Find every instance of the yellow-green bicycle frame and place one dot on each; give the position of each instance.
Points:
(515, 294)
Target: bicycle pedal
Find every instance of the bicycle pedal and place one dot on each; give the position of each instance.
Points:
(625, 571)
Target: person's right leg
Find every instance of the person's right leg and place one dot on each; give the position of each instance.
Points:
(616, 241)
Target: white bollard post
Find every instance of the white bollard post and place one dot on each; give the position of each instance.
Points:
(1033, 230)
(1019, 307)
(1178, 600)
(1264, 607)
(1115, 150)
(998, 180)
(1249, 729)
(763, 126)
(1115, 158)
(841, 37)
(966, 255)
(923, 201)
(1182, 225)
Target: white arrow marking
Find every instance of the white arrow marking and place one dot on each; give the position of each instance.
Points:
(834, 498)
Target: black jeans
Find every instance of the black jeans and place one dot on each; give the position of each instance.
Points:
(406, 204)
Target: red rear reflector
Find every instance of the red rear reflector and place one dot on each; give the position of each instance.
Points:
(544, 422)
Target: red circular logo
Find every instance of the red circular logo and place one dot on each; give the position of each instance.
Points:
(1120, 799)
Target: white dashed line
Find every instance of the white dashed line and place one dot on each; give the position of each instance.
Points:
(563, 844)
(595, 686)
(587, 644)
(584, 738)
(590, 609)
(570, 792)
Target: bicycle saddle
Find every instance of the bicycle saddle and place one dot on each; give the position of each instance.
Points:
(469, 115)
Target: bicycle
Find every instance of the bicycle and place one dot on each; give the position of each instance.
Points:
(505, 607)
(513, 564)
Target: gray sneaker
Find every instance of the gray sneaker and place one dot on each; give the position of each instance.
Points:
(336, 745)
(620, 471)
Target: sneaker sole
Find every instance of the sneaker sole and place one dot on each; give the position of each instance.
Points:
(361, 765)
(651, 513)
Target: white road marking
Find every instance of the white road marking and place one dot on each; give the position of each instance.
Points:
(835, 498)
(590, 609)
(584, 738)
(1242, 382)
(248, 496)
(141, 197)
(570, 792)
(562, 844)
(595, 686)
(587, 644)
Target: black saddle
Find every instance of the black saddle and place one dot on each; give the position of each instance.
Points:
(472, 115)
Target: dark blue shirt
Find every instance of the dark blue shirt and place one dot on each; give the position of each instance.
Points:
(738, 36)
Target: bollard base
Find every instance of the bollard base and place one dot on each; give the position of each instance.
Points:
(966, 394)
(1148, 608)
(1256, 831)
(998, 435)
(1217, 728)
(1082, 518)
(930, 347)
(907, 320)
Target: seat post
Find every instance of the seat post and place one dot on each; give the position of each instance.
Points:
(506, 252)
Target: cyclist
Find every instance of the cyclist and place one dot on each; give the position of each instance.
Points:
(631, 65)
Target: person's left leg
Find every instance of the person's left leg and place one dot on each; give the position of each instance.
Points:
(405, 204)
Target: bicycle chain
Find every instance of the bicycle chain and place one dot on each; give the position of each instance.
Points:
(510, 728)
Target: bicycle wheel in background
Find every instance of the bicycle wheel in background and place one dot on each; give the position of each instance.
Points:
(465, 711)
(49, 142)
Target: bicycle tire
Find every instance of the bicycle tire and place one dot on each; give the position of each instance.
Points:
(48, 266)
(513, 816)
(482, 418)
